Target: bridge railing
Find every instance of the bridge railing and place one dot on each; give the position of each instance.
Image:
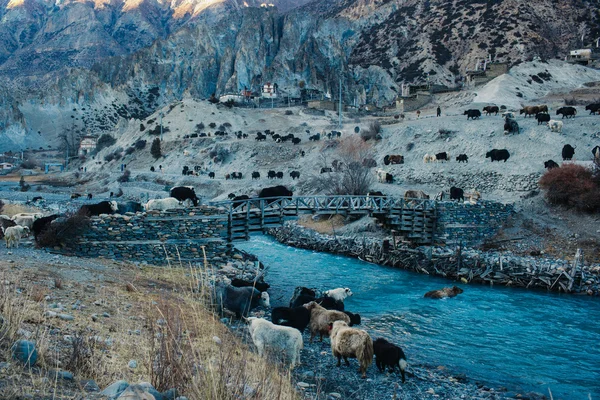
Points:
(370, 204)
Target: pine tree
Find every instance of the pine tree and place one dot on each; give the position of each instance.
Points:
(155, 149)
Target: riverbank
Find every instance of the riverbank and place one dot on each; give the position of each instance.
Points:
(460, 264)
(97, 327)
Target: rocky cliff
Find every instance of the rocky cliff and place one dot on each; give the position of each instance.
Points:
(89, 63)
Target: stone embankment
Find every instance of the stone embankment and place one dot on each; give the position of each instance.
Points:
(464, 264)
(156, 237)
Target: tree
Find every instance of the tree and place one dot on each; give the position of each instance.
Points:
(155, 149)
(22, 185)
(351, 176)
(104, 141)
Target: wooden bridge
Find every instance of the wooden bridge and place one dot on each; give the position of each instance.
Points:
(413, 219)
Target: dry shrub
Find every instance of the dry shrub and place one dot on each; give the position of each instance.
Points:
(574, 186)
(372, 133)
(353, 177)
(58, 283)
(11, 313)
(86, 358)
(59, 232)
(38, 293)
(182, 354)
(125, 176)
(1, 206)
(11, 209)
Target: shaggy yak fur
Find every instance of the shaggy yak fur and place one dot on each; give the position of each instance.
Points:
(279, 339)
(351, 343)
(320, 318)
(389, 355)
(445, 292)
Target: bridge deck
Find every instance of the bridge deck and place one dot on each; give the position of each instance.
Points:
(413, 218)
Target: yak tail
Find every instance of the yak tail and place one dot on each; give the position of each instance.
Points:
(365, 354)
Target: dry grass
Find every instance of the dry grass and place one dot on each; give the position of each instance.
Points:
(325, 226)
(163, 323)
(11, 209)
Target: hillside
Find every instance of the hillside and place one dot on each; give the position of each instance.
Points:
(529, 150)
(128, 59)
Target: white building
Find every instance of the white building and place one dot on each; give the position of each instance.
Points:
(87, 144)
(269, 90)
(6, 166)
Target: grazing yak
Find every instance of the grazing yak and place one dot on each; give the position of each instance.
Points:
(295, 175)
(24, 219)
(169, 203)
(267, 336)
(259, 284)
(498, 155)
(596, 152)
(271, 174)
(256, 175)
(13, 235)
(457, 194)
(339, 294)
(275, 191)
(568, 112)
(428, 158)
(550, 164)
(41, 224)
(239, 200)
(389, 355)
(349, 342)
(415, 194)
(568, 152)
(301, 296)
(326, 170)
(593, 108)
(472, 114)
(320, 318)
(129, 207)
(211, 175)
(297, 317)
(5, 223)
(75, 196)
(104, 207)
(511, 126)
(491, 109)
(443, 293)
(530, 110)
(462, 158)
(239, 300)
(393, 159)
(555, 126)
(443, 156)
(354, 318)
(542, 117)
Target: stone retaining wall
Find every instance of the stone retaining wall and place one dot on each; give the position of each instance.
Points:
(469, 223)
(157, 237)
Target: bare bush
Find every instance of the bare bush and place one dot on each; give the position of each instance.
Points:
(373, 132)
(574, 186)
(125, 176)
(129, 150)
(353, 177)
(30, 163)
(23, 187)
(59, 232)
(1, 206)
(140, 144)
(104, 141)
(219, 154)
(86, 357)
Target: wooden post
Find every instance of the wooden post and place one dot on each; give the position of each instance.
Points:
(574, 268)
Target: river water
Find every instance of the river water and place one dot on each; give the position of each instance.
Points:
(522, 340)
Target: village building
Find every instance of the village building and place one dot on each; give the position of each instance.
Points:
(269, 90)
(87, 144)
(6, 166)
